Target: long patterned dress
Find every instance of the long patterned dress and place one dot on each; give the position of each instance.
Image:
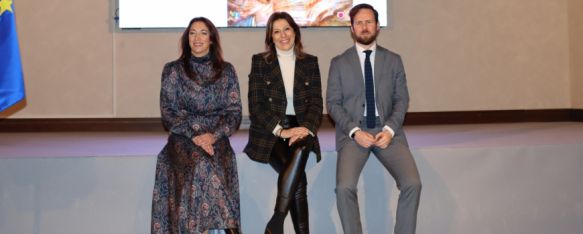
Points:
(194, 191)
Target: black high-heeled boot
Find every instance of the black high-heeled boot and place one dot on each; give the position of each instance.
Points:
(299, 208)
(287, 185)
(232, 231)
(275, 224)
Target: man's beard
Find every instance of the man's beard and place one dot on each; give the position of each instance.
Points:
(366, 41)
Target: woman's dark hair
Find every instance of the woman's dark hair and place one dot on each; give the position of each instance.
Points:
(271, 53)
(215, 51)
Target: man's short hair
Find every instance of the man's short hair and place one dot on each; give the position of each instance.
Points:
(359, 7)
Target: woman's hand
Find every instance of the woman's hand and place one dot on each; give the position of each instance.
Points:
(205, 141)
(294, 134)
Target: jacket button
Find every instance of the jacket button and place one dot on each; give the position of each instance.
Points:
(307, 83)
(362, 105)
(268, 82)
(306, 100)
(269, 99)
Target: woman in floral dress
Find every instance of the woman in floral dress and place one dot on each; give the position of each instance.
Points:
(197, 188)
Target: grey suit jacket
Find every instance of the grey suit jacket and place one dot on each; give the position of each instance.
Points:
(345, 95)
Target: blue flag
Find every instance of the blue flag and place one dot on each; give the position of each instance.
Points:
(11, 81)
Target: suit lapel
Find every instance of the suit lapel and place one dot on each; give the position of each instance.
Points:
(299, 79)
(354, 61)
(379, 61)
(274, 72)
(299, 76)
(274, 75)
(354, 71)
(274, 85)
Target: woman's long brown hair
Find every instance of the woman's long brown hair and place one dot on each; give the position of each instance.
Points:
(215, 51)
(271, 53)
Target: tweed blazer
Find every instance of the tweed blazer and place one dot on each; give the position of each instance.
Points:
(267, 102)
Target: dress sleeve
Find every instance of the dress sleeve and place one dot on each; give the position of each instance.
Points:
(175, 117)
(230, 118)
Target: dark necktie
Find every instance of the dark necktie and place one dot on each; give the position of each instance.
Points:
(369, 91)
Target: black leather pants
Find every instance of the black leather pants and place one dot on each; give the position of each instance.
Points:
(290, 163)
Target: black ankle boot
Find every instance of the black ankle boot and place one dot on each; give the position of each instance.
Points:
(275, 225)
(232, 231)
(299, 208)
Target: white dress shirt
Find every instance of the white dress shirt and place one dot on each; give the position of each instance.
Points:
(362, 57)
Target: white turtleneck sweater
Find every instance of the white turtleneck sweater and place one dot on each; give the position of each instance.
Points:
(287, 63)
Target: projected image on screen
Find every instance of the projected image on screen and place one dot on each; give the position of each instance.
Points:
(253, 13)
(239, 13)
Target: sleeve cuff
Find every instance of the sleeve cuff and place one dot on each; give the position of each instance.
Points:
(276, 130)
(390, 130)
(351, 133)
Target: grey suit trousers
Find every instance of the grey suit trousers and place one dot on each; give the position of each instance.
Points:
(398, 160)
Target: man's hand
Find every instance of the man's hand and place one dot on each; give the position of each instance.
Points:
(364, 139)
(205, 141)
(383, 139)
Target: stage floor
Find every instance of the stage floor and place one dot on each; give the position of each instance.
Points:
(93, 144)
(479, 179)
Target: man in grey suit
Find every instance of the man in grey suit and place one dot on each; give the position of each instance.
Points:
(367, 97)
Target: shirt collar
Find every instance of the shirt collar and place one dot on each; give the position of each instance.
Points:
(361, 50)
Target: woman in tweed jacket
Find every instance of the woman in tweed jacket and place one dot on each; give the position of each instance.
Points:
(285, 104)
